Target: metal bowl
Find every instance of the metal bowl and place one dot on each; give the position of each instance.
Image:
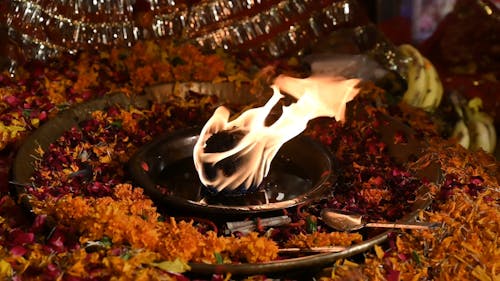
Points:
(300, 172)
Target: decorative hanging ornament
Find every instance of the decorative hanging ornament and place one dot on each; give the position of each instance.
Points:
(44, 29)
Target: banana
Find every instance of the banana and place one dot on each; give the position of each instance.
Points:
(416, 86)
(475, 130)
(416, 76)
(483, 132)
(434, 88)
(424, 86)
(461, 134)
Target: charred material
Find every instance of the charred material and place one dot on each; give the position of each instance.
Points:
(220, 142)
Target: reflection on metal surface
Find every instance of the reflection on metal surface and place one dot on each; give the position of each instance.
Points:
(349, 221)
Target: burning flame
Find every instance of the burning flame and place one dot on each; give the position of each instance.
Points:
(319, 96)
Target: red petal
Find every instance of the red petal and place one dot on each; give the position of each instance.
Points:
(12, 100)
(39, 223)
(42, 116)
(145, 166)
(403, 257)
(20, 237)
(18, 251)
(57, 243)
(392, 275)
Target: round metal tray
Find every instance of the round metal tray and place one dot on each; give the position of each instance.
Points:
(23, 169)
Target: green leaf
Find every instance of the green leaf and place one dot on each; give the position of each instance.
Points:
(106, 241)
(117, 124)
(126, 255)
(416, 257)
(312, 225)
(63, 106)
(218, 258)
(176, 266)
(26, 113)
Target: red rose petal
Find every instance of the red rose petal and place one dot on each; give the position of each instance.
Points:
(12, 101)
(20, 237)
(18, 251)
(145, 166)
(392, 275)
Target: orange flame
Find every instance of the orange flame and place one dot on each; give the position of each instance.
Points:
(319, 96)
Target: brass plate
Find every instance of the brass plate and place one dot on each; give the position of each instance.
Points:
(47, 133)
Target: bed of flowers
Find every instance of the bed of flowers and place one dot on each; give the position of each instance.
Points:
(92, 223)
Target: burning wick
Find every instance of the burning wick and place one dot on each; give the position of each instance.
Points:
(237, 155)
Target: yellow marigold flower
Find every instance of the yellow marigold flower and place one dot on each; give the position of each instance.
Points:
(79, 259)
(57, 89)
(129, 123)
(5, 269)
(127, 268)
(9, 133)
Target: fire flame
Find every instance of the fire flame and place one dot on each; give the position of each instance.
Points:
(317, 96)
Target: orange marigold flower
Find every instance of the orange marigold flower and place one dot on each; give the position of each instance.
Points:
(180, 240)
(80, 259)
(142, 76)
(57, 89)
(129, 123)
(321, 239)
(209, 68)
(210, 245)
(254, 249)
(88, 73)
(163, 71)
